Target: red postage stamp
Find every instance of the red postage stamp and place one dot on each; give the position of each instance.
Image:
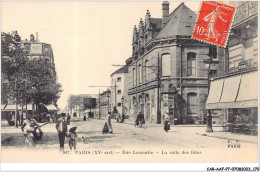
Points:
(213, 23)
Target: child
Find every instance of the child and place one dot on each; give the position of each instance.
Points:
(72, 138)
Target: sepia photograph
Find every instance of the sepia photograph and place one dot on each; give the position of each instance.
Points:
(129, 81)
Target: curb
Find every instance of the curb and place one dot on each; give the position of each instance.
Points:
(226, 138)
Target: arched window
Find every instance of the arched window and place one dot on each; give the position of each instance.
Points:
(191, 64)
(147, 98)
(134, 100)
(166, 65)
(118, 91)
(146, 70)
(134, 76)
(192, 103)
(140, 74)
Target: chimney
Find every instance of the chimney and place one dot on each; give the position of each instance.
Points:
(31, 38)
(165, 13)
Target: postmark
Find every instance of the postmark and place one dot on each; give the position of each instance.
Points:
(213, 23)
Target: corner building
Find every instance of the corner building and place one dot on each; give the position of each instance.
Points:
(166, 72)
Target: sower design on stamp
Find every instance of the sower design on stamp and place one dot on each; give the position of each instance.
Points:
(213, 23)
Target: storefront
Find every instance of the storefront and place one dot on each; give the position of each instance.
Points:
(237, 95)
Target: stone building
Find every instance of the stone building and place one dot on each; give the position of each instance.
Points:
(104, 103)
(118, 92)
(234, 94)
(166, 73)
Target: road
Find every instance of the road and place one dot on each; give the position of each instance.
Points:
(126, 138)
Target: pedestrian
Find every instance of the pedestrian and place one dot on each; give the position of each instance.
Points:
(84, 118)
(139, 119)
(109, 123)
(167, 123)
(105, 129)
(61, 127)
(68, 119)
(29, 129)
(72, 138)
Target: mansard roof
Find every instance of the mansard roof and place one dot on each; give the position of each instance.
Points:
(181, 23)
(156, 22)
(123, 69)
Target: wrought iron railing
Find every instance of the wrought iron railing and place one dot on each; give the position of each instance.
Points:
(245, 10)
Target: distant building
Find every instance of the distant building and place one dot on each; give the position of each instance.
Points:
(104, 103)
(39, 50)
(234, 94)
(78, 109)
(166, 73)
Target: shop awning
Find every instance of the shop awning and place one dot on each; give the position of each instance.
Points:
(3, 106)
(248, 91)
(10, 108)
(215, 91)
(240, 91)
(51, 108)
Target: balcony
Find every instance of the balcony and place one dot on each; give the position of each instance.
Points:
(245, 11)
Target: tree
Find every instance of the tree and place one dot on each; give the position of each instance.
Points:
(14, 59)
(45, 88)
(23, 79)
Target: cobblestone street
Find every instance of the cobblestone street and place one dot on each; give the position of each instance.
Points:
(126, 137)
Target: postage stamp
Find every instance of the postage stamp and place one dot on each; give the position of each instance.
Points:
(213, 23)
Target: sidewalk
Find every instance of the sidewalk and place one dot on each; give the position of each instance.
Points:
(218, 133)
(201, 130)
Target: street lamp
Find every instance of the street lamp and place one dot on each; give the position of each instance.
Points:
(122, 100)
(208, 61)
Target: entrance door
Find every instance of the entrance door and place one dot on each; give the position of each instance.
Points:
(147, 110)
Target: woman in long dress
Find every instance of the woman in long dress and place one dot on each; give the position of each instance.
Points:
(109, 123)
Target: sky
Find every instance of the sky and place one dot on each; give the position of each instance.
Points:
(87, 37)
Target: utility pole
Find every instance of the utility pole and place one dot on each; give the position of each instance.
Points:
(99, 113)
(115, 92)
(108, 97)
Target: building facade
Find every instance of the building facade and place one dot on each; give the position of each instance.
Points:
(104, 103)
(234, 94)
(166, 72)
(118, 85)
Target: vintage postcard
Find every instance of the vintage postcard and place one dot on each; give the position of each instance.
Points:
(159, 81)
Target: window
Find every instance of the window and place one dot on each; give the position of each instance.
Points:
(118, 91)
(166, 65)
(46, 60)
(249, 49)
(213, 51)
(118, 79)
(119, 104)
(140, 74)
(146, 71)
(192, 103)
(134, 100)
(134, 77)
(191, 64)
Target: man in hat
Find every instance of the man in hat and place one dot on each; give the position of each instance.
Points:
(62, 129)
